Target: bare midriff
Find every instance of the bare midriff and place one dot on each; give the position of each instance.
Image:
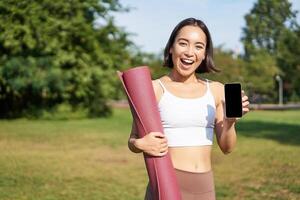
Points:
(192, 159)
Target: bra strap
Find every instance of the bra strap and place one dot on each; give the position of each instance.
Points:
(162, 85)
(207, 85)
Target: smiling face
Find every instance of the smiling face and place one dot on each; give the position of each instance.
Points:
(188, 50)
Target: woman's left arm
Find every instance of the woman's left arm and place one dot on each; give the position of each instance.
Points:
(225, 127)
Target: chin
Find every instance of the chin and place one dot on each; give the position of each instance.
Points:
(185, 73)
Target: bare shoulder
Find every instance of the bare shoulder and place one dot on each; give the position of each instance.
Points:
(155, 84)
(157, 89)
(217, 89)
(215, 85)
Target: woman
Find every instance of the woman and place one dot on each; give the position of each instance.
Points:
(191, 110)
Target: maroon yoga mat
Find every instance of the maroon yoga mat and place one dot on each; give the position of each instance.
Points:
(137, 84)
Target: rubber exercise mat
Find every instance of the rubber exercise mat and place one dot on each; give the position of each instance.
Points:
(137, 84)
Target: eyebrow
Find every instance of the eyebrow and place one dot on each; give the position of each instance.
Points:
(188, 41)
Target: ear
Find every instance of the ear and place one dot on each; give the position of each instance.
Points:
(204, 57)
(171, 50)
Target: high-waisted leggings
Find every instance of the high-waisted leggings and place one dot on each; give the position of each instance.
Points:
(193, 186)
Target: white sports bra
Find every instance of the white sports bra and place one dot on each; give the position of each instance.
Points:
(187, 121)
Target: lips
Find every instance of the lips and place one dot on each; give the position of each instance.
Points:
(186, 63)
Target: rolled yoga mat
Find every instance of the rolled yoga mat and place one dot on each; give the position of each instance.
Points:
(137, 84)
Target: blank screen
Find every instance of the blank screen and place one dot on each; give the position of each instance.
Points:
(233, 100)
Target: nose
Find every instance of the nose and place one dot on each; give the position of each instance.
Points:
(189, 51)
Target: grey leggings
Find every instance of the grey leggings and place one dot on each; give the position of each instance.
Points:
(193, 186)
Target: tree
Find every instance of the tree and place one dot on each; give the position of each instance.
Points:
(272, 30)
(153, 61)
(259, 74)
(59, 51)
(231, 66)
(289, 61)
(265, 24)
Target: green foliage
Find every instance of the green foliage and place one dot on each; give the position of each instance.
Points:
(230, 65)
(259, 73)
(59, 51)
(265, 23)
(256, 74)
(154, 61)
(272, 31)
(289, 61)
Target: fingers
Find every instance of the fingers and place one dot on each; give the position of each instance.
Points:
(164, 149)
(164, 146)
(163, 154)
(163, 142)
(244, 97)
(156, 144)
(158, 134)
(245, 102)
(161, 151)
(245, 110)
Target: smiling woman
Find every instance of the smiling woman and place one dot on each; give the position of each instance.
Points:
(191, 110)
(188, 52)
(187, 38)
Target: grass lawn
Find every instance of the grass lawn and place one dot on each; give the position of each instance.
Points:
(88, 159)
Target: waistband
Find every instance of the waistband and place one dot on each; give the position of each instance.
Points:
(194, 182)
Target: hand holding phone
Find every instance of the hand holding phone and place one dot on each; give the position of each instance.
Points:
(233, 100)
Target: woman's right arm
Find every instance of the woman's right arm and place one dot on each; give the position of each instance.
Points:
(133, 140)
(154, 143)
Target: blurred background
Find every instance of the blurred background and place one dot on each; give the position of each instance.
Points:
(64, 118)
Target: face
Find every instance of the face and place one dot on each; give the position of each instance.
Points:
(188, 50)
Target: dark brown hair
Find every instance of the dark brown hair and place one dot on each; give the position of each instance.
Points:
(207, 65)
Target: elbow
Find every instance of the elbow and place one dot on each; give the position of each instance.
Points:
(130, 148)
(226, 151)
(133, 148)
(227, 147)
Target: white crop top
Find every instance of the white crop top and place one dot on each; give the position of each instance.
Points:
(187, 121)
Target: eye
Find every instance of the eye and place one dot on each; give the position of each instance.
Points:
(183, 44)
(199, 47)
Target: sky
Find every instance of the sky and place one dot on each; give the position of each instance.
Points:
(152, 21)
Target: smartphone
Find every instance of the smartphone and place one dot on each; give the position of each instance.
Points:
(233, 100)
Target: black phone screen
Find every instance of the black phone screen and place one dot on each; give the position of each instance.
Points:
(233, 100)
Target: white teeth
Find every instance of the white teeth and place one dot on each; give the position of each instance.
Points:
(188, 61)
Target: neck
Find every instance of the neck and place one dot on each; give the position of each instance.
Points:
(175, 76)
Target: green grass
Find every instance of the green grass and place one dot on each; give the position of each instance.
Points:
(88, 159)
(265, 163)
